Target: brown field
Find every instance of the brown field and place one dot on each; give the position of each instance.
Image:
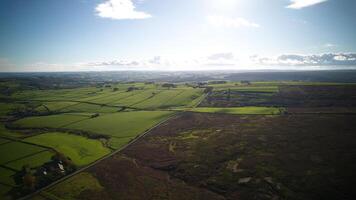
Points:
(218, 156)
(287, 96)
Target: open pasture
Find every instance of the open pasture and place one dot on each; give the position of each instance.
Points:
(35, 160)
(122, 124)
(77, 107)
(60, 94)
(17, 150)
(3, 141)
(8, 133)
(80, 150)
(51, 121)
(6, 176)
(170, 98)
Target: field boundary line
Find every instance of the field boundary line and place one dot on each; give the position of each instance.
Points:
(23, 157)
(169, 99)
(125, 97)
(201, 100)
(28, 143)
(29, 196)
(8, 168)
(146, 99)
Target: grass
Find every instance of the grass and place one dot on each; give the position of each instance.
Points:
(5, 108)
(8, 133)
(63, 94)
(4, 189)
(17, 150)
(86, 107)
(3, 141)
(117, 143)
(267, 89)
(71, 188)
(81, 150)
(33, 160)
(5, 176)
(51, 121)
(251, 110)
(122, 124)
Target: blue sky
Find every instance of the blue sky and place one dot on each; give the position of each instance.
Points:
(75, 35)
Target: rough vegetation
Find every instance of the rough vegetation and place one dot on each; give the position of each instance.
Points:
(225, 140)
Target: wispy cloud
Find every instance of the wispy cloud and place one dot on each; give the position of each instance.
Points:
(299, 4)
(120, 9)
(329, 59)
(219, 56)
(229, 22)
(218, 61)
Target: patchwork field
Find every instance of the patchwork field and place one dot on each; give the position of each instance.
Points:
(210, 156)
(81, 150)
(223, 141)
(13, 151)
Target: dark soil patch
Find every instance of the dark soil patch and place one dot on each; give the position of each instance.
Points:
(217, 156)
(288, 96)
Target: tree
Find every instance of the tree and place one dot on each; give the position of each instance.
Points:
(168, 85)
(29, 181)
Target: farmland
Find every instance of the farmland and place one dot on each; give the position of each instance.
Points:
(213, 146)
(43, 128)
(80, 149)
(217, 156)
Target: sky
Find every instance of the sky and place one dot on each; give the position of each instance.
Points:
(96, 35)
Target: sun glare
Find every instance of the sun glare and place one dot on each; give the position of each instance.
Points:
(224, 4)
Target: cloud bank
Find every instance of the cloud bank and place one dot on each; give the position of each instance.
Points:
(329, 59)
(299, 4)
(120, 9)
(218, 61)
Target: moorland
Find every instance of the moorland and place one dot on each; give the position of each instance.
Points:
(191, 139)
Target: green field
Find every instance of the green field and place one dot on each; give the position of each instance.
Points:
(33, 161)
(123, 124)
(16, 150)
(5, 108)
(241, 110)
(52, 121)
(72, 187)
(8, 133)
(15, 155)
(64, 120)
(3, 141)
(4, 189)
(81, 150)
(6, 176)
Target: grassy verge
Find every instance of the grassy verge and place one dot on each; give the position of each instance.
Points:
(251, 110)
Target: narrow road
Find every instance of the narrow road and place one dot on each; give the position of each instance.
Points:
(99, 160)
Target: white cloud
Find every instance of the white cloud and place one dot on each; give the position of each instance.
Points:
(329, 59)
(218, 56)
(228, 22)
(218, 61)
(299, 4)
(120, 9)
